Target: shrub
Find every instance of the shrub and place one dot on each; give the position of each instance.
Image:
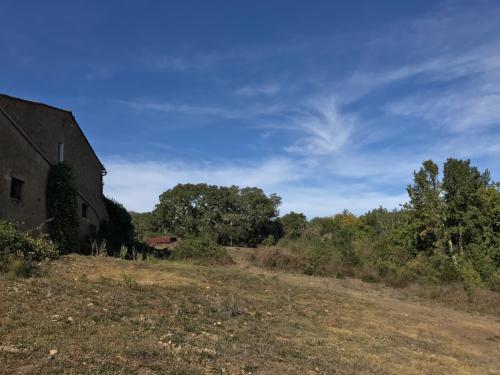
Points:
(20, 253)
(424, 269)
(123, 252)
(470, 277)
(201, 250)
(277, 258)
(269, 240)
(494, 281)
(369, 275)
(316, 258)
(398, 277)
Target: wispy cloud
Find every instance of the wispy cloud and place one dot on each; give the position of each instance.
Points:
(259, 89)
(181, 61)
(449, 61)
(472, 109)
(322, 128)
(201, 110)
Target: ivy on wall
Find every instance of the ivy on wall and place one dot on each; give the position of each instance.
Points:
(62, 207)
(118, 231)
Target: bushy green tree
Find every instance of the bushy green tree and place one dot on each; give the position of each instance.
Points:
(293, 224)
(426, 207)
(228, 214)
(144, 226)
(457, 216)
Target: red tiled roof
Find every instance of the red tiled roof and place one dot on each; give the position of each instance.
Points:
(160, 240)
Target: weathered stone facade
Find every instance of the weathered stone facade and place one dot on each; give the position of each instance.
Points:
(33, 137)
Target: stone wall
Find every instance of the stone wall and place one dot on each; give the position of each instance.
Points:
(46, 127)
(20, 160)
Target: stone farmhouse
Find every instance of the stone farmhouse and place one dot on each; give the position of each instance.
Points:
(33, 137)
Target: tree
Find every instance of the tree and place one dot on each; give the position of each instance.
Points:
(293, 224)
(227, 214)
(471, 204)
(490, 197)
(144, 227)
(458, 216)
(380, 222)
(426, 208)
(259, 212)
(462, 185)
(180, 209)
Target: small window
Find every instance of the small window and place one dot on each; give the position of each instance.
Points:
(16, 188)
(85, 208)
(61, 152)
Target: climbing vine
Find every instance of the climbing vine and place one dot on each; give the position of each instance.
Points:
(62, 207)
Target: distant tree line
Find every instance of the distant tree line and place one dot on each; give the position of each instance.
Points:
(448, 231)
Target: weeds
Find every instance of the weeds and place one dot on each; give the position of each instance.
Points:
(22, 253)
(131, 283)
(98, 248)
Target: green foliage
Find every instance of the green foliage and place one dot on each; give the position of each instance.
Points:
(458, 216)
(229, 214)
(494, 281)
(448, 232)
(317, 258)
(144, 226)
(469, 275)
(269, 240)
(293, 224)
(118, 231)
(123, 252)
(62, 207)
(201, 250)
(20, 252)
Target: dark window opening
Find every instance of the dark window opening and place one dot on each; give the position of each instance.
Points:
(85, 208)
(16, 188)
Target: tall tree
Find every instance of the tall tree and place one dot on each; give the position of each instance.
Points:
(426, 207)
(462, 185)
(471, 202)
(294, 224)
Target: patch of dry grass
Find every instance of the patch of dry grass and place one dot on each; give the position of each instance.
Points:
(105, 315)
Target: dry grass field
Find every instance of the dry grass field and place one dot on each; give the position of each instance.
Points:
(103, 315)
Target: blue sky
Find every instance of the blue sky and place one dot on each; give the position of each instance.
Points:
(329, 105)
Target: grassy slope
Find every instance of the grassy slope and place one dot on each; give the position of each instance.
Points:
(111, 316)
